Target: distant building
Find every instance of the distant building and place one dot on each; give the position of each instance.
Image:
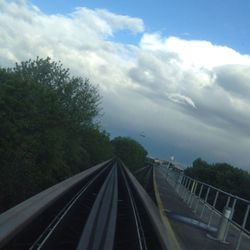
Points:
(153, 161)
(178, 167)
(165, 163)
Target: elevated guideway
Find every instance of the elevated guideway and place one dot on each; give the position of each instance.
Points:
(102, 208)
(105, 207)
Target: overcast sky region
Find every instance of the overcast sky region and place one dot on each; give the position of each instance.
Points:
(178, 73)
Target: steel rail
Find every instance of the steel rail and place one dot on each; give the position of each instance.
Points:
(137, 220)
(42, 241)
(99, 230)
(14, 220)
(152, 212)
(92, 215)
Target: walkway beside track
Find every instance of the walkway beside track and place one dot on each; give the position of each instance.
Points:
(189, 237)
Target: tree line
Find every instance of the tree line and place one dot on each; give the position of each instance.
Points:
(228, 178)
(221, 175)
(48, 129)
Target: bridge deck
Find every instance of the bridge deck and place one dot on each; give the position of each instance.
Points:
(189, 236)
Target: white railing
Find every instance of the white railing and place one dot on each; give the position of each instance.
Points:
(208, 203)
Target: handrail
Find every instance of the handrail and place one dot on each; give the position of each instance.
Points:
(15, 219)
(186, 188)
(153, 213)
(102, 218)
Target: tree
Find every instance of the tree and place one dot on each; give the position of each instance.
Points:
(80, 99)
(201, 171)
(32, 134)
(222, 175)
(46, 120)
(130, 152)
(226, 177)
(97, 144)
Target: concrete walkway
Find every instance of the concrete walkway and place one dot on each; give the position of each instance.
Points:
(190, 236)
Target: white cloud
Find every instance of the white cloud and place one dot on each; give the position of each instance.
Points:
(194, 53)
(188, 95)
(178, 98)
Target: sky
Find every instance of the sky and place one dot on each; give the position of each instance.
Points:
(176, 71)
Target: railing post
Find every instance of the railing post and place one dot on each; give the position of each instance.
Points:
(222, 231)
(190, 191)
(199, 197)
(187, 189)
(231, 216)
(183, 186)
(204, 202)
(193, 191)
(213, 208)
(222, 228)
(228, 201)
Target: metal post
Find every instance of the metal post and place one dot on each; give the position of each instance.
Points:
(199, 197)
(231, 216)
(243, 226)
(193, 189)
(234, 203)
(204, 202)
(222, 231)
(189, 184)
(194, 194)
(183, 176)
(213, 208)
(186, 187)
(183, 186)
(228, 201)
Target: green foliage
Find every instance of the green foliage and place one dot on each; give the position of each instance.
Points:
(130, 152)
(47, 131)
(97, 144)
(79, 98)
(223, 176)
(30, 135)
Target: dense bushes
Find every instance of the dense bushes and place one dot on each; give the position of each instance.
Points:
(222, 175)
(47, 131)
(130, 152)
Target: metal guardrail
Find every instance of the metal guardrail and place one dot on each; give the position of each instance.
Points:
(200, 196)
(102, 218)
(15, 219)
(153, 214)
(53, 232)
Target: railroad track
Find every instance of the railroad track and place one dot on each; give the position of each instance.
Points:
(104, 209)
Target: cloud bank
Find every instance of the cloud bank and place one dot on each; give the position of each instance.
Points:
(190, 97)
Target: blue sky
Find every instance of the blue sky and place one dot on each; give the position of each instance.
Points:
(224, 22)
(177, 70)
